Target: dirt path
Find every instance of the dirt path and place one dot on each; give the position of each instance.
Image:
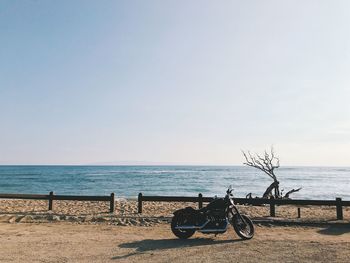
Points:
(63, 242)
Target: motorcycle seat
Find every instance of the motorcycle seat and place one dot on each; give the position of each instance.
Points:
(191, 210)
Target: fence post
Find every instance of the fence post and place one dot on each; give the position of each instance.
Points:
(50, 200)
(140, 203)
(272, 208)
(299, 214)
(111, 205)
(200, 200)
(339, 209)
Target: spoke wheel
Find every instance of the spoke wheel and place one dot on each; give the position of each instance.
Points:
(243, 226)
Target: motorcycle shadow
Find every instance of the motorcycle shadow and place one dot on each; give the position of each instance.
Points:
(335, 230)
(147, 245)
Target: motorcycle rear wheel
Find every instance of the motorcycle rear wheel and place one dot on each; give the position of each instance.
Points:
(244, 228)
(184, 233)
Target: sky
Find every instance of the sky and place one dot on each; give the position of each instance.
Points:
(174, 82)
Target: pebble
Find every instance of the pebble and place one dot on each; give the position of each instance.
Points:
(99, 219)
(133, 222)
(5, 218)
(53, 218)
(63, 217)
(88, 218)
(12, 220)
(26, 219)
(72, 218)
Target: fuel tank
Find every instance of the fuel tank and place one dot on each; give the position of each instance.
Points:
(217, 204)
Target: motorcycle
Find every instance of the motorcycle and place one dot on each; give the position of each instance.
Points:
(212, 219)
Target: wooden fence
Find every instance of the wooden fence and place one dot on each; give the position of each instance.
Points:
(200, 199)
(51, 197)
(338, 203)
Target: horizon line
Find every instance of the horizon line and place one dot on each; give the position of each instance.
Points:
(171, 164)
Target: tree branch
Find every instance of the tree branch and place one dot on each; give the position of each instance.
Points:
(291, 191)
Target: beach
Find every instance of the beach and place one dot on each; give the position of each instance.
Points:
(153, 212)
(76, 231)
(68, 242)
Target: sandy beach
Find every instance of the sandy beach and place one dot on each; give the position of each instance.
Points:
(67, 242)
(28, 211)
(87, 232)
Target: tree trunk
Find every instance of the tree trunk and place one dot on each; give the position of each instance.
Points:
(273, 186)
(277, 189)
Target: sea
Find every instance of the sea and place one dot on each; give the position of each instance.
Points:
(128, 181)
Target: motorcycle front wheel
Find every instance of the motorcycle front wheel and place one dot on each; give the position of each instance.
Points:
(244, 228)
(179, 220)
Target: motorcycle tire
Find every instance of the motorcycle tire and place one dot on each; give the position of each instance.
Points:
(183, 234)
(244, 229)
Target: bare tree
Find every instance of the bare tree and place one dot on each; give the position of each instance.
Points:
(268, 163)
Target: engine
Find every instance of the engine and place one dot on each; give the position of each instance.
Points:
(217, 220)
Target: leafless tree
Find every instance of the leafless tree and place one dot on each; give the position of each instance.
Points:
(267, 164)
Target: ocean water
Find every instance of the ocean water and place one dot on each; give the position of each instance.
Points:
(128, 181)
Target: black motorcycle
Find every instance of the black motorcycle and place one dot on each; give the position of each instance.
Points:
(212, 219)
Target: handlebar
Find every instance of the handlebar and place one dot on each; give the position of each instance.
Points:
(229, 191)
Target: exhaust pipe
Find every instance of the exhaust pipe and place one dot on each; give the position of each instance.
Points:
(215, 230)
(192, 227)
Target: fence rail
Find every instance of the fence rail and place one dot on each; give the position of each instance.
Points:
(200, 199)
(51, 197)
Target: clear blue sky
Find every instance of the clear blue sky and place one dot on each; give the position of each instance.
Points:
(183, 82)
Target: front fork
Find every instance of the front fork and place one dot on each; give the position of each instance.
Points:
(230, 210)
